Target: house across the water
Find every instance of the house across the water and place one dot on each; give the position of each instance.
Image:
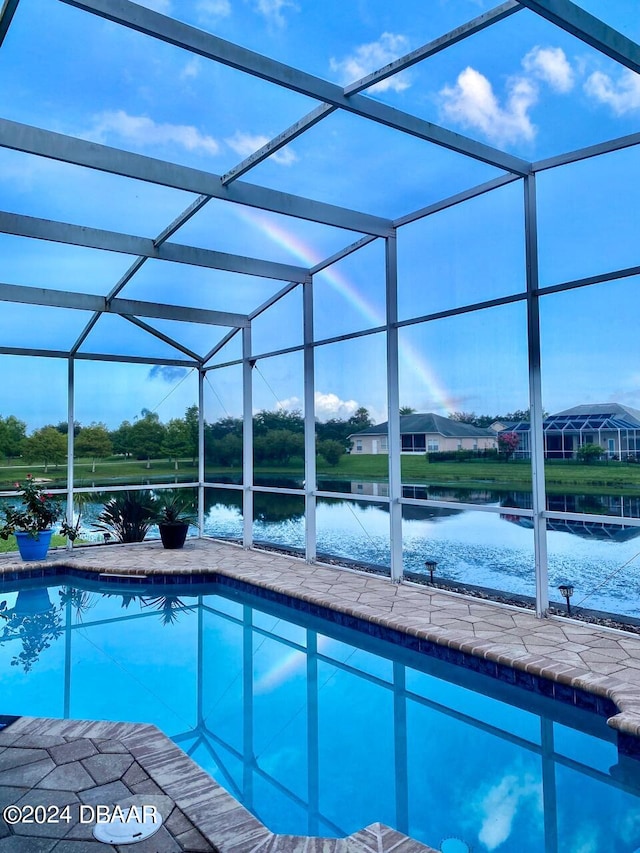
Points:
(612, 426)
(424, 433)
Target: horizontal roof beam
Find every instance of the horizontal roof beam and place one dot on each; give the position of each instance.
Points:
(319, 113)
(90, 302)
(205, 44)
(69, 149)
(499, 13)
(589, 29)
(91, 356)
(113, 241)
(585, 153)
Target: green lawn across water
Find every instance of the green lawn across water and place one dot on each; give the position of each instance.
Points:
(561, 476)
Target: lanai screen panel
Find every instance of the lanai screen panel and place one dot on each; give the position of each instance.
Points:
(156, 176)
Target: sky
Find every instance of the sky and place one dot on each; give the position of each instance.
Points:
(523, 86)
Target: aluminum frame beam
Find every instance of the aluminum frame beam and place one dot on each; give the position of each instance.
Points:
(580, 154)
(6, 16)
(69, 149)
(96, 356)
(204, 44)
(589, 29)
(90, 302)
(162, 337)
(128, 244)
(319, 113)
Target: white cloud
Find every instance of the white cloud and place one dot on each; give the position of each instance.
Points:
(144, 131)
(245, 144)
(331, 406)
(273, 10)
(369, 57)
(473, 103)
(208, 9)
(551, 65)
(499, 806)
(622, 95)
(191, 68)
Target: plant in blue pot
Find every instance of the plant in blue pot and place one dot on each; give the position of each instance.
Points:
(31, 521)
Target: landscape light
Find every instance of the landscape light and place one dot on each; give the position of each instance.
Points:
(430, 566)
(566, 589)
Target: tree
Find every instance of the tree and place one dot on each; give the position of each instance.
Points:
(192, 422)
(331, 450)
(508, 443)
(93, 441)
(265, 421)
(63, 427)
(589, 453)
(46, 445)
(407, 410)
(12, 436)
(224, 426)
(360, 419)
(121, 439)
(278, 446)
(146, 436)
(177, 440)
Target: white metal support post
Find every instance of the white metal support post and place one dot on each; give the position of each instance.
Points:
(201, 466)
(393, 404)
(535, 397)
(70, 437)
(247, 439)
(309, 425)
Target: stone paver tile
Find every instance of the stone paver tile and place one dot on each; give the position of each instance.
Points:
(162, 804)
(105, 794)
(193, 842)
(9, 795)
(18, 844)
(39, 741)
(83, 846)
(17, 757)
(161, 842)
(134, 774)
(178, 823)
(72, 751)
(108, 767)
(147, 786)
(27, 775)
(110, 746)
(67, 777)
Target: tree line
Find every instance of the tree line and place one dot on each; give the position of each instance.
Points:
(278, 438)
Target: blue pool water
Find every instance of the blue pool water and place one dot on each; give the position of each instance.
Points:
(319, 729)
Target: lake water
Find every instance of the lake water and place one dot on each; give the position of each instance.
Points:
(491, 549)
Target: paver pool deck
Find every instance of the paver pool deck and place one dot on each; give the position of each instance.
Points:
(48, 761)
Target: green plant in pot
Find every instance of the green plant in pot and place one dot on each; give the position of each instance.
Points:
(32, 521)
(127, 515)
(174, 513)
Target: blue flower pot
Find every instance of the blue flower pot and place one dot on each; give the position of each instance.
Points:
(33, 548)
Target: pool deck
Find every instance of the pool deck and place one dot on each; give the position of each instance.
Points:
(201, 815)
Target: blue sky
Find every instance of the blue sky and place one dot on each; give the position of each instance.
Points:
(523, 86)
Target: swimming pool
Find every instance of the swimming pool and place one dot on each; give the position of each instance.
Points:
(317, 728)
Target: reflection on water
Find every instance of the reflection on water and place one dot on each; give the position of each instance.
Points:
(493, 550)
(283, 708)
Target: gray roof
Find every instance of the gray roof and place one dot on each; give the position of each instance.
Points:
(430, 423)
(602, 409)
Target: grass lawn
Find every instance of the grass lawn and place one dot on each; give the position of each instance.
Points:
(561, 477)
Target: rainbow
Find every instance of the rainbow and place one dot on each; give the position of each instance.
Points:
(413, 361)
